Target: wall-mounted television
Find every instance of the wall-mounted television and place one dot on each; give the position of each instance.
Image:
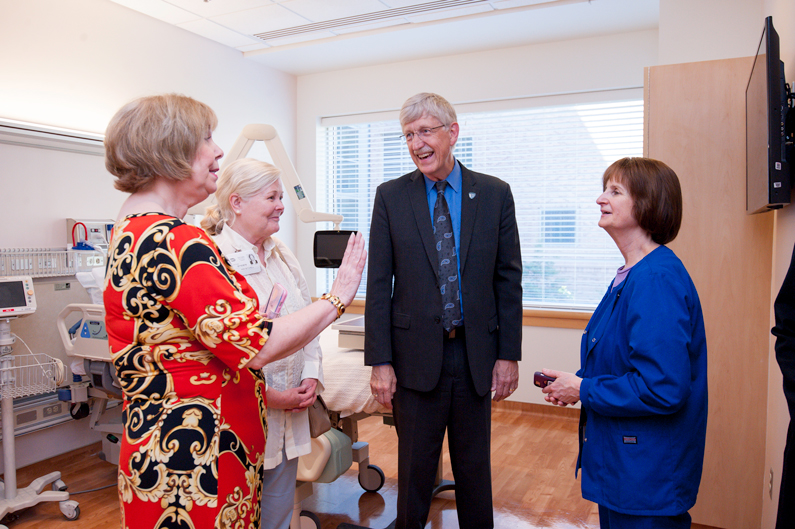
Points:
(767, 169)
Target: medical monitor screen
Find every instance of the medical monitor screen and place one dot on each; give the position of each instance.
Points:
(329, 247)
(12, 295)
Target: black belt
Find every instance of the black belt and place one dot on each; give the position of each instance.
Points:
(455, 332)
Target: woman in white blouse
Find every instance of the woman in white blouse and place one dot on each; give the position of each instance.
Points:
(242, 223)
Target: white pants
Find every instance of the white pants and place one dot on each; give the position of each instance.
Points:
(278, 494)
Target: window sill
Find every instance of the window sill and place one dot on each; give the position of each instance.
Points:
(560, 319)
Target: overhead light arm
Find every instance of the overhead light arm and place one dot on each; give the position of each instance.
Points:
(267, 133)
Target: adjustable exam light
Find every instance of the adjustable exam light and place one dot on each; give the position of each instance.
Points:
(292, 184)
(329, 246)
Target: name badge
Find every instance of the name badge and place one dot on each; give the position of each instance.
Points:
(245, 262)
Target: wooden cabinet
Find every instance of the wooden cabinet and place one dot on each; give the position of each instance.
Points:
(695, 122)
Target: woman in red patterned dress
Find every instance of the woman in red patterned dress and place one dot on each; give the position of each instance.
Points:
(185, 332)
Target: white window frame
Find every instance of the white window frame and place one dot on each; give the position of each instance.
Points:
(594, 244)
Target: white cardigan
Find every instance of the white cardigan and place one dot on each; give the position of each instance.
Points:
(287, 430)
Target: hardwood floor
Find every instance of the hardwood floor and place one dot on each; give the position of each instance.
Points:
(533, 457)
(81, 470)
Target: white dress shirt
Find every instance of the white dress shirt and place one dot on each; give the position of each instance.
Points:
(285, 430)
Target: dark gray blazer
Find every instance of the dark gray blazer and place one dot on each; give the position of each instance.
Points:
(404, 326)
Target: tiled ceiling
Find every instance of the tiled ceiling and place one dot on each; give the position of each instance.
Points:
(306, 36)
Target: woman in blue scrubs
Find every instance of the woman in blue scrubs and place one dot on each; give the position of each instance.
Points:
(643, 377)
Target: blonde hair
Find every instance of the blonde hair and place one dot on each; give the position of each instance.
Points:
(246, 177)
(155, 136)
(428, 104)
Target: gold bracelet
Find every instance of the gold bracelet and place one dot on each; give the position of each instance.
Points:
(336, 301)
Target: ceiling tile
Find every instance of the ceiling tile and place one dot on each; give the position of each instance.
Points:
(213, 31)
(382, 36)
(450, 13)
(159, 10)
(300, 37)
(507, 4)
(368, 26)
(261, 20)
(213, 8)
(322, 10)
(253, 47)
(406, 3)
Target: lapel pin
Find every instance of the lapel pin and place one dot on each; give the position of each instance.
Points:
(472, 195)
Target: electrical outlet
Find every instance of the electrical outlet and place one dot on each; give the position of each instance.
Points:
(770, 485)
(55, 409)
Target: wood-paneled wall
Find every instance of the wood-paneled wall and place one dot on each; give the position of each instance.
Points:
(695, 122)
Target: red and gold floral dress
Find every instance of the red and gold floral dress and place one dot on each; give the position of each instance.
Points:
(182, 324)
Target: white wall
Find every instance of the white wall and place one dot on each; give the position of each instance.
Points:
(706, 30)
(73, 64)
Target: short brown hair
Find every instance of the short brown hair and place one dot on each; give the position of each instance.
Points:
(429, 104)
(155, 136)
(654, 188)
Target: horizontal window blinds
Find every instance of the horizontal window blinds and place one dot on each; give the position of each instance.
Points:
(552, 156)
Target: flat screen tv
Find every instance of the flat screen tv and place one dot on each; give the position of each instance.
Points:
(767, 170)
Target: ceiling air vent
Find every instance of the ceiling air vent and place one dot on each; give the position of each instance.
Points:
(387, 14)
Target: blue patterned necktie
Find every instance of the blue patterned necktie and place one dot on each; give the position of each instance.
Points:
(448, 261)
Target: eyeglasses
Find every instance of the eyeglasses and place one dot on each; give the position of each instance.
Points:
(424, 134)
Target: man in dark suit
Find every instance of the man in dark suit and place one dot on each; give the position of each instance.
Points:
(784, 331)
(448, 333)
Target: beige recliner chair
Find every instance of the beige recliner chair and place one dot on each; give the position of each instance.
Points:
(331, 457)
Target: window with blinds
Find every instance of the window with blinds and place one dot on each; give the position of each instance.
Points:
(552, 156)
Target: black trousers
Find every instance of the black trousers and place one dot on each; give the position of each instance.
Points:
(421, 419)
(786, 498)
